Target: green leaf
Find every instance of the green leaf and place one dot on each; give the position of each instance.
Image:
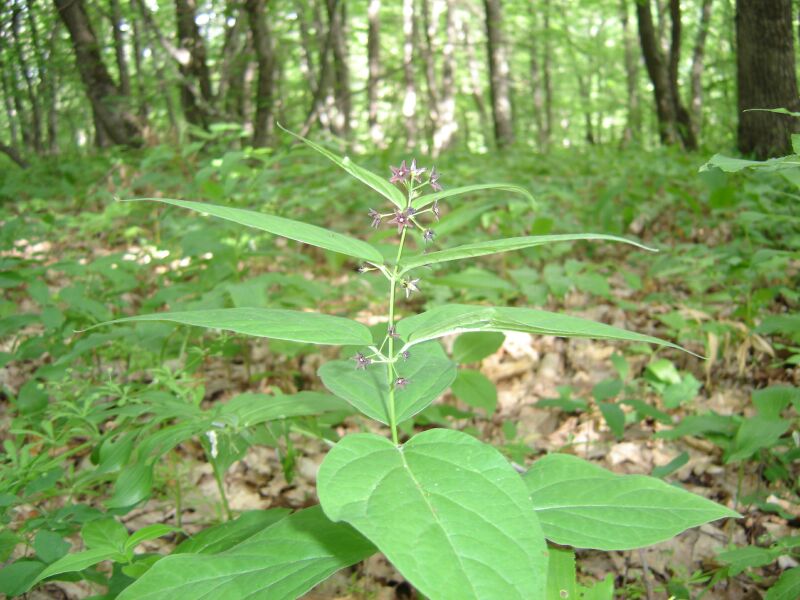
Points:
(106, 533)
(504, 245)
(754, 434)
(562, 582)
(218, 538)
(770, 402)
(787, 587)
(582, 505)
(288, 228)
(20, 576)
(428, 370)
(447, 510)
(246, 410)
(133, 485)
(475, 389)
(614, 418)
(149, 532)
(292, 325)
(747, 557)
(676, 463)
(50, 546)
(423, 201)
(284, 560)
(473, 347)
(379, 184)
(76, 562)
(459, 318)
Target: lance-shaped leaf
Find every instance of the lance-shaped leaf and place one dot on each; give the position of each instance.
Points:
(284, 560)
(288, 228)
(423, 201)
(377, 183)
(292, 325)
(458, 318)
(447, 510)
(428, 370)
(506, 245)
(582, 505)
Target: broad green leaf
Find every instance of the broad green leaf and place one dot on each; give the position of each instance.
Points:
(504, 245)
(562, 582)
(614, 418)
(770, 402)
(246, 410)
(292, 325)
(133, 485)
(475, 389)
(423, 201)
(288, 228)
(747, 557)
(754, 434)
(284, 560)
(472, 347)
(105, 533)
(787, 587)
(19, 576)
(582, 505)
(77, 562)
(218, 538)
(379, 184)
(459, 318)
(447, 510)
(149, 532)
(50, 546)
(428, 370)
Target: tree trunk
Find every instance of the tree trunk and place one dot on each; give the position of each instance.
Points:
(193, 65)
(11, 115)
(446, 125)
(47, 87)
(633, 123)
(337, 17)
(13, 155)
(119, 49)
(138, 53)
(374, 66)
(262, 124)
(475, 82)
(498, 75)
(537, 90)
(548, 82)
(698, 57)
(765, 76)
(430, 26)
(36, 112)
(410, 96)
(103, 94)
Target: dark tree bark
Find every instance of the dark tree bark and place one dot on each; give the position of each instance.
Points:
(674, 124)
(13, 155)
(498, 75)
(765, 76)
(374, 66)
(30, 87)
(698, 59)
(633, 123)
(337, 17)
(193, 65)
(262, 124)
(119, 49)
(410, 95)
(107, 103)
(138, 54)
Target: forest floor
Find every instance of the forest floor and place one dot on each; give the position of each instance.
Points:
(526, 370)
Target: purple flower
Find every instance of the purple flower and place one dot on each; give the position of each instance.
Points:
(410, 285)
(434, 180)
(400, 383)
(399, 173)
(405, 354)
(428, 235)
(416, 173)
(402, 218)
(362, 362)
(392, 332)
(436, 209)
(375, 216)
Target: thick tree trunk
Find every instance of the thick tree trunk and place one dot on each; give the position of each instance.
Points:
(262, 124)
(103, 94)
(410, 96)
(766, 76)
(633, 123)
(498, 75)
(698, 57)
(8, 103)
(13, 155)
(193, 66)
(374, 66)
(674, 124)
(446, 124)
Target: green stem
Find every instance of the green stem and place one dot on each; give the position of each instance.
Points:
(390, 370)
(221, 487)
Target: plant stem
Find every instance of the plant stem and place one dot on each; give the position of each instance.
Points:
(221, 487)
(390, 367)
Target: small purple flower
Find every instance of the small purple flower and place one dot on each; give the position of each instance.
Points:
(362, 362)
(399, 173)
(428, 235)
(410, 285)
(416, 173)
(435, 209)
(376, 217)
(434, 180)
(405, 354)
(402, 218)
(392, 332)
(400, 383)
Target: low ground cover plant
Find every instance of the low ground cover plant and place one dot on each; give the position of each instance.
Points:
(449, 511)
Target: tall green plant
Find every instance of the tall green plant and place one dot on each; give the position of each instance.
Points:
(449, 511)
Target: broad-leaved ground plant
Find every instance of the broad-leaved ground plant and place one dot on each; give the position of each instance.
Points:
(450, 512)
